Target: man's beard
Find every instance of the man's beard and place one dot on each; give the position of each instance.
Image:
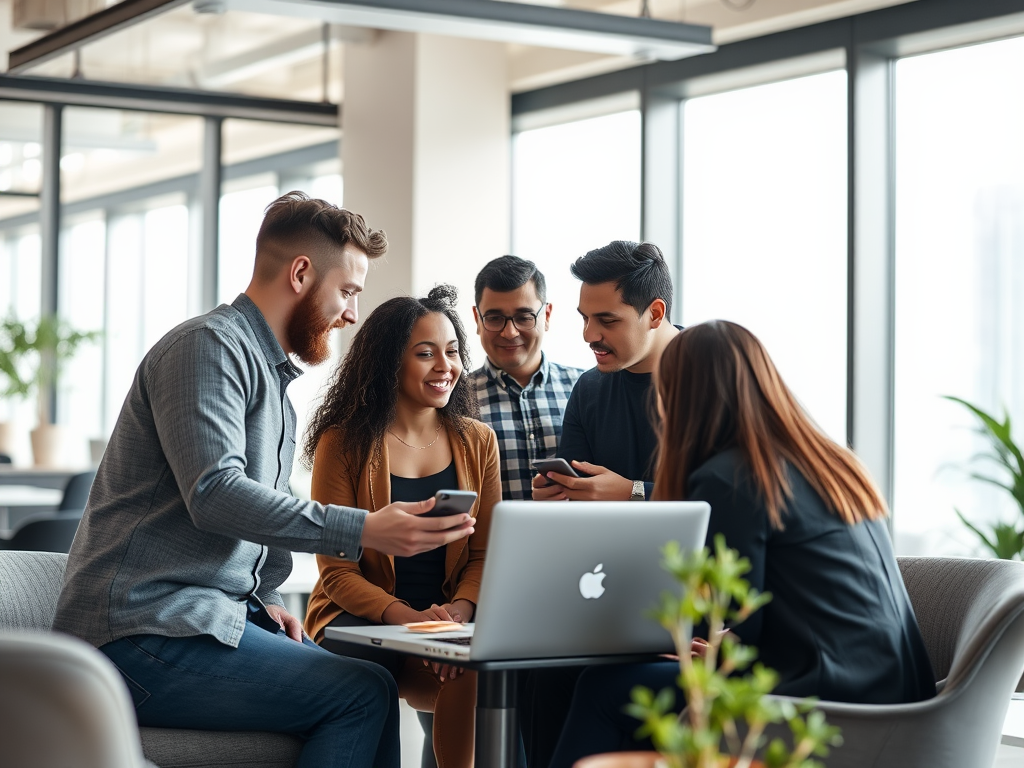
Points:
(309, 331)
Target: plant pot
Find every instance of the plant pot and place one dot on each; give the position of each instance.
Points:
(49, 445)
(634, 760)
(620, 760)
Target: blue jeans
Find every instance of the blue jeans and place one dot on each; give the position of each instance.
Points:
(345, 709)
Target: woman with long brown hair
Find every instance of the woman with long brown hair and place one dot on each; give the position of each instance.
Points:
(397, 425)
(807, 515)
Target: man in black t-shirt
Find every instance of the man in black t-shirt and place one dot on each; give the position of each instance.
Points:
(607, 434)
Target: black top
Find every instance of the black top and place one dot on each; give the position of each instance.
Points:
(418, 579)
(840, 625)
(606, 423)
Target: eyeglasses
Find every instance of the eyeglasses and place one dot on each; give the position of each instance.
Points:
(523, 321)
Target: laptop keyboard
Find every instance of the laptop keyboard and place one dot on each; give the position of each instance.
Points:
(455, 640)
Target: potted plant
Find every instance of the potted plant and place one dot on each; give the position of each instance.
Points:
(32, 358)
(1004, 540)
(727, 713)
(14, 347)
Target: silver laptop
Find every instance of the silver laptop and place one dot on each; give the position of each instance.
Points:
(561, 580)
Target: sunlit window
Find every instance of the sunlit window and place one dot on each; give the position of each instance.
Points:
(83, 275)
(241, 213)
(20, 295)
(959, 283)
(576, 187)
(764, 228)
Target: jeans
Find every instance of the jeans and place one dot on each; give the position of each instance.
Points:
(345, 709)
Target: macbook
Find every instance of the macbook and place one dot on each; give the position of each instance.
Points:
(563, 579)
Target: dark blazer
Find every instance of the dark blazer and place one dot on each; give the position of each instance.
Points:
(840, 625)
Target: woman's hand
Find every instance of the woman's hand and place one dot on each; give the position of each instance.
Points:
(460, 610)
(444, 671)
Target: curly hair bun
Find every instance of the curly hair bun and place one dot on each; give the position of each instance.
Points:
(442, 297)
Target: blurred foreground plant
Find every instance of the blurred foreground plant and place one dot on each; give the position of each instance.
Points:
(723, 707)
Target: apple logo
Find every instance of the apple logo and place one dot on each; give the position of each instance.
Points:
(590, 583)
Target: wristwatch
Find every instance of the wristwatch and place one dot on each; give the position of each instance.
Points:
(638, 491)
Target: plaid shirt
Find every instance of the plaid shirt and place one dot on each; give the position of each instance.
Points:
(527, 421)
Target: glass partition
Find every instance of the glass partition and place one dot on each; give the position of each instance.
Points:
(959, 282)
(576, 187)
(764, 228)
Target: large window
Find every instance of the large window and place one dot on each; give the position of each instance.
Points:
(576, 187)
(959, 283)
(129, 261)
(764, 228)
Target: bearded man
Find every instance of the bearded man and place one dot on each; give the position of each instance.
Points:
(190, 525)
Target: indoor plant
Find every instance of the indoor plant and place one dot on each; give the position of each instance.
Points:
(14, 347)
(32, 357)
(1004, 540)
(727, 712)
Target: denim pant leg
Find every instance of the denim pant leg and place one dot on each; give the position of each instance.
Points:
(345, 709)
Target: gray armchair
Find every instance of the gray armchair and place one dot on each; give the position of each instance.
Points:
(971, 613)
(61, 703)
(29, 585)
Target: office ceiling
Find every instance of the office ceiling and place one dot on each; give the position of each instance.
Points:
(289, 57)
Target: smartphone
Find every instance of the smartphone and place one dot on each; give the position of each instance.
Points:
(451, 503)
(561, 466)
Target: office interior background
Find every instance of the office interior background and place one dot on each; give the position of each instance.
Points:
(844, 177)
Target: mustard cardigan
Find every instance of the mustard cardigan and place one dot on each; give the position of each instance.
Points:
(366, 588)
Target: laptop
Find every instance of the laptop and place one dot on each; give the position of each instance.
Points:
(563, 579)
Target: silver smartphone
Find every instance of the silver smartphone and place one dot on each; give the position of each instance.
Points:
(451, 503)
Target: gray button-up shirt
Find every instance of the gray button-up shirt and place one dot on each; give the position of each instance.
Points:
(191, 514)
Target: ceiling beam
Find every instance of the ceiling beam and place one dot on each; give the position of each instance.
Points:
(92, 27)
(180, 101)
(511, 22)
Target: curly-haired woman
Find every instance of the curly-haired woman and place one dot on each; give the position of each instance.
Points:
(397, 425)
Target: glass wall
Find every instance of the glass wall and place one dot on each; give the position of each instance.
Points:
(764, 228)
(129, 261)
(576, 187)
(21, 149)
(959, 283)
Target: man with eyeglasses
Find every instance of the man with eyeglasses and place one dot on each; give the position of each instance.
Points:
(522, 394)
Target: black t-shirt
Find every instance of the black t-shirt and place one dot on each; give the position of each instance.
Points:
(607, 423)
(418, 579)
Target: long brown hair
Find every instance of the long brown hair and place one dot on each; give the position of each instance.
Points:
(719, 389)
(362, 398)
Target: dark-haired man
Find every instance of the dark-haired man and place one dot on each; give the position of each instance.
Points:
(190, 523)
(522, 394)
(625, 300)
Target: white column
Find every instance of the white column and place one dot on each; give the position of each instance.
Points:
(426, 156)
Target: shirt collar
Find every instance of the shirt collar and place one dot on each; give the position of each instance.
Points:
(504, 380)
(268, 342)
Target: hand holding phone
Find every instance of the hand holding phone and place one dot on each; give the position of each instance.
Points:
(451, 503)
(559, 466)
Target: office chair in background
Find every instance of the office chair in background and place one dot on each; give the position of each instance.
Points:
(76, 491)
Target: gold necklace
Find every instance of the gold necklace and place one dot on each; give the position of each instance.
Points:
(437, 434)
